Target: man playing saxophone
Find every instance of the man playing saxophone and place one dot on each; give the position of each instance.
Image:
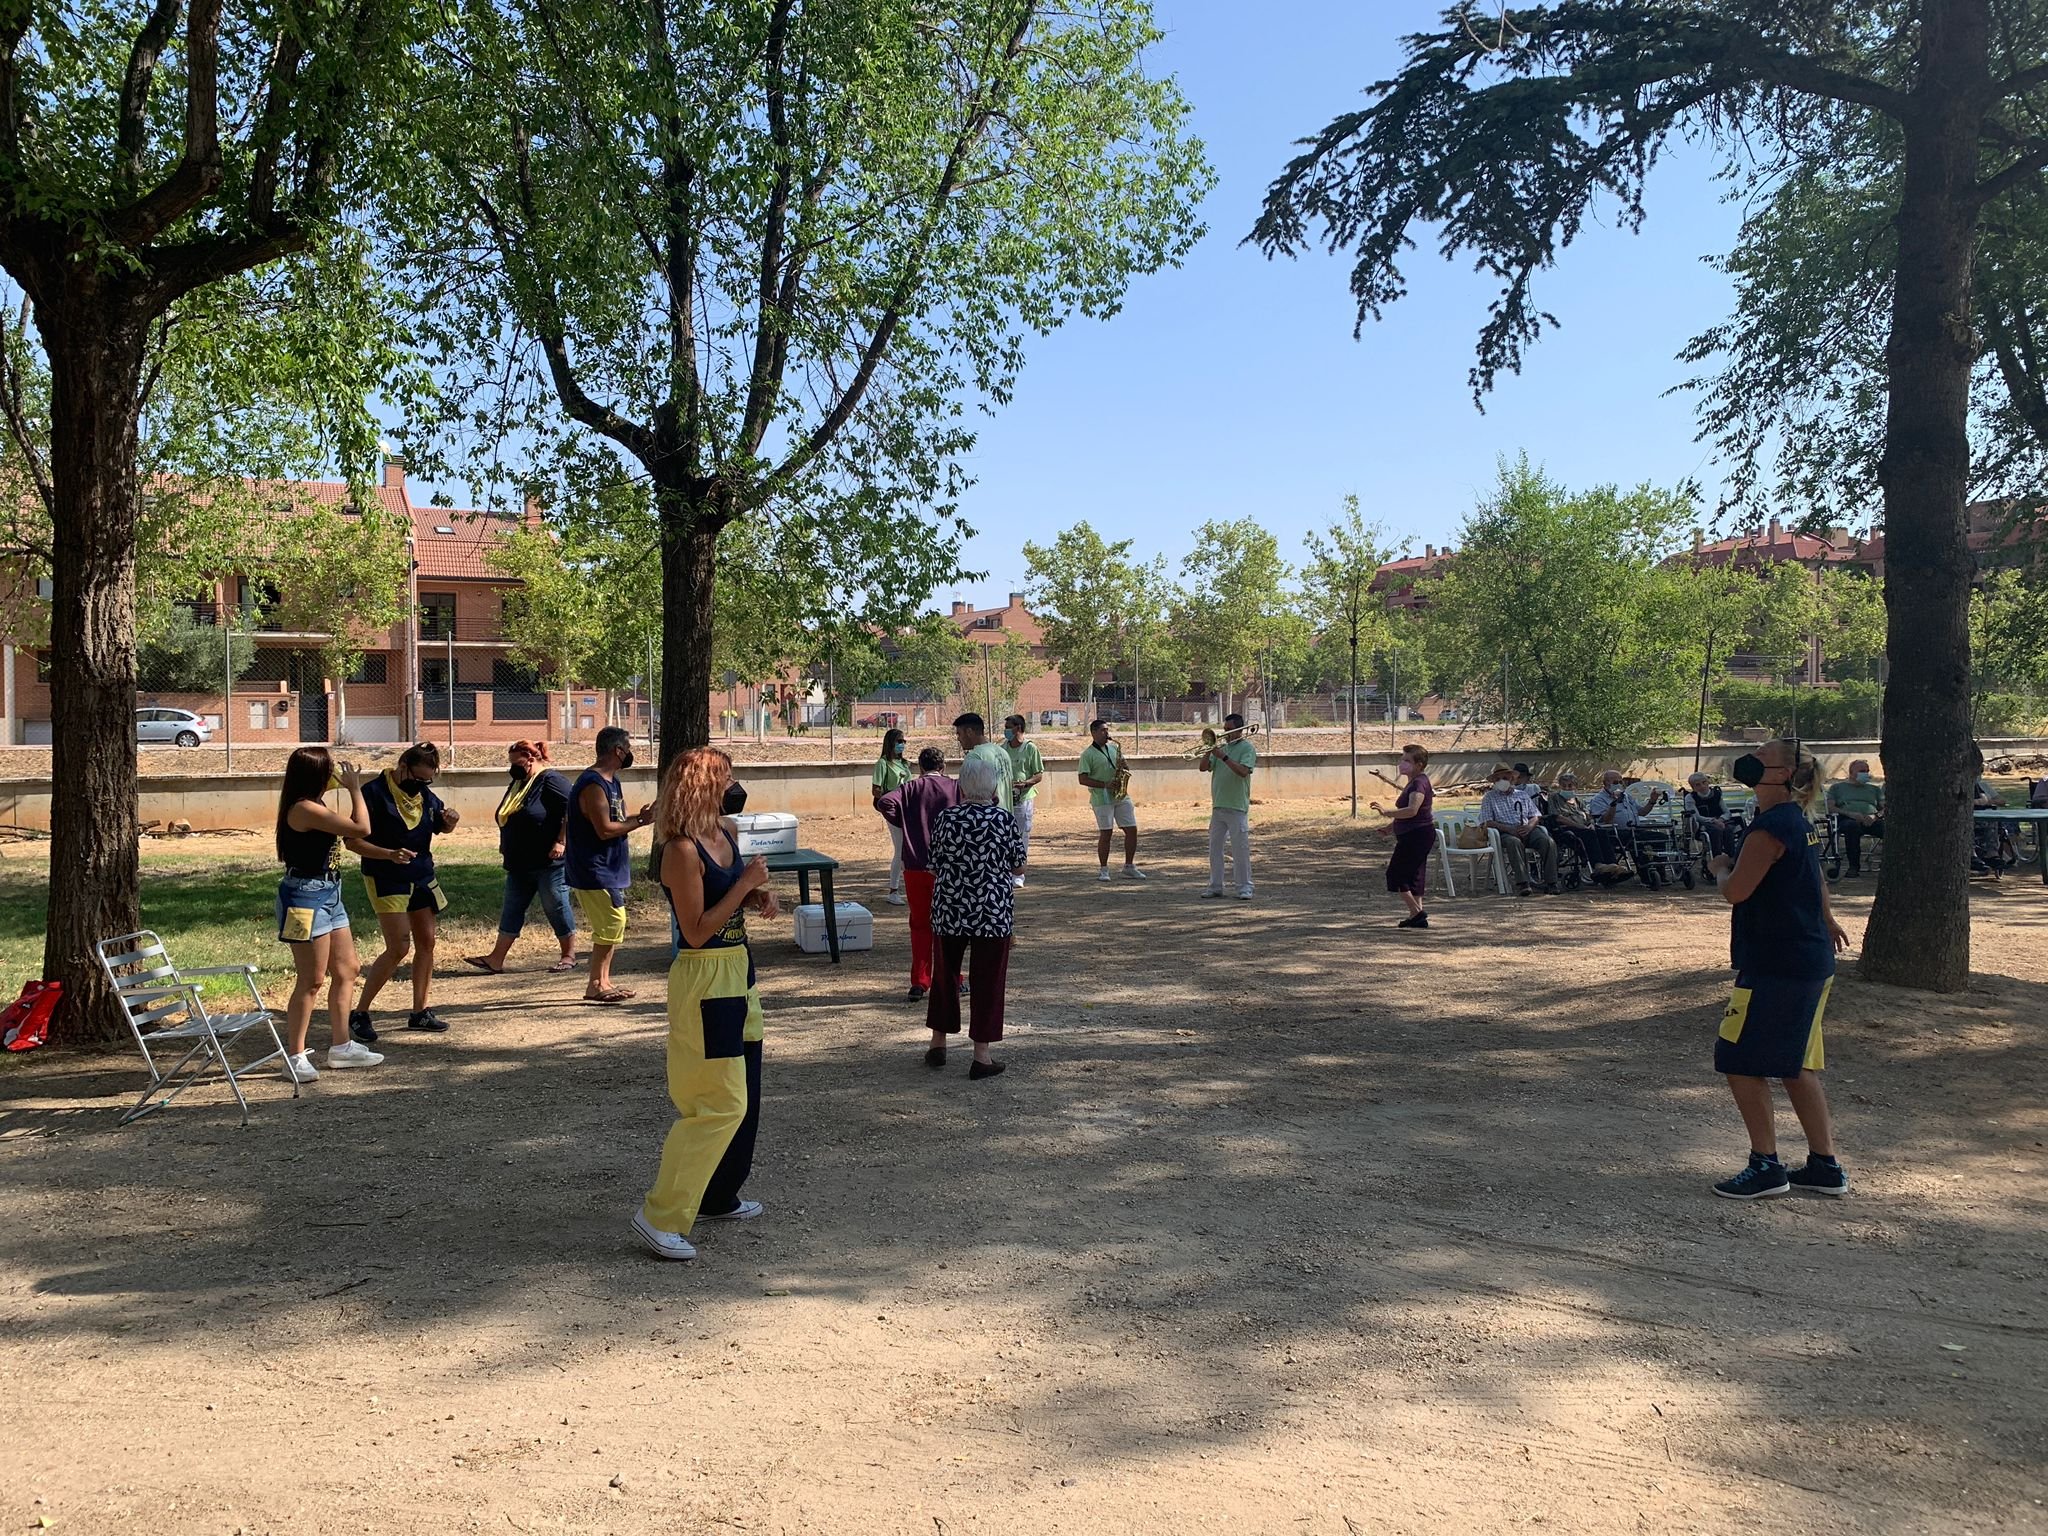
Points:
(1108, 779)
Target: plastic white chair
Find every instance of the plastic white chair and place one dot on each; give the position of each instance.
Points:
(1491, 852)
(164, 1008)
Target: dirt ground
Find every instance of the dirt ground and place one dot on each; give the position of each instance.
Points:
(1281, 1221)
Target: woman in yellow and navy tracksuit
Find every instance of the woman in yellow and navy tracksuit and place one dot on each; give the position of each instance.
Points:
(398, 869)
(1782, 942)
(713, 1007)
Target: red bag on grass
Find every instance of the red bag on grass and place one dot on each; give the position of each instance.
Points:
(26, 1023)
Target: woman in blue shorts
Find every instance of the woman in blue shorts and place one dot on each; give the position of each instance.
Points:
(1782, 944)
(310, 916)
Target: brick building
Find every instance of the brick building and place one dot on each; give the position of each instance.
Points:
(1038, 700)
(449, 657)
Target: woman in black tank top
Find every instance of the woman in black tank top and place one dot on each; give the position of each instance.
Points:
(714, 1013)
(310, 914)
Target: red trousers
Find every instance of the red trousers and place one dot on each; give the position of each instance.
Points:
(917, 887)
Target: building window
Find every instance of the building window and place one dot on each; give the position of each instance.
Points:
(433, 674)
(437, 615)
(371, 667)
(42, 666)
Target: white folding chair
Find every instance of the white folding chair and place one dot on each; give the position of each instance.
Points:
(1446, 829)
(165, 1008)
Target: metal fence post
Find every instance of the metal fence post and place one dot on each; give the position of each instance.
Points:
(451, 687)
(227, 696)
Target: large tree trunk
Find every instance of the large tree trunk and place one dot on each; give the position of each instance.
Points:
(689, 559)
(96, 352)
(1919, 931)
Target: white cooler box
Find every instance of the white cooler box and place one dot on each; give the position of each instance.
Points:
(856, 927)
(766, 832)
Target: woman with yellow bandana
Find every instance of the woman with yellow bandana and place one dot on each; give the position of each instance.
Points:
(398, 869)
(532, 840)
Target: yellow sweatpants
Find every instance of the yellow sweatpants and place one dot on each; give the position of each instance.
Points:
(708, 1010)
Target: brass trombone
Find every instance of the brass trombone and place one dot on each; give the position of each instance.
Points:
(1211, 741)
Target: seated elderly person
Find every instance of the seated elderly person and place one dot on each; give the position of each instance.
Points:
(1597, 846)
(1510, 811)
(1857, 804)
(1702, 797)
(1615, 808)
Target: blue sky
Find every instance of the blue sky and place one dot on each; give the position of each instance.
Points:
(1232, 387)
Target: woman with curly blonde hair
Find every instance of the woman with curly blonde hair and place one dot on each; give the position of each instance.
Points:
(714, 1010)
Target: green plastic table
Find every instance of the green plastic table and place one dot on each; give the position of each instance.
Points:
(802, 863)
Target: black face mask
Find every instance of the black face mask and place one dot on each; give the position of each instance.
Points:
(1749, 770)
(735, 799)
(626, 758)
(519, 774)
(412, 786)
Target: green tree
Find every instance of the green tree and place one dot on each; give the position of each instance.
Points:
(148, 152)
(2009, 635)
(1082, 589)
(760, 252)
(1152, 660)
(182, 655)
(1231, 603)
(927, 657)
(994, 677)
(1337, 592)
(1852, 622)
(1559, 612)
(340, 575)
(1508, 138)
(1794, 387)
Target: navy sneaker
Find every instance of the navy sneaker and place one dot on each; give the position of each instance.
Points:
(428, 1020)
(1818, 1178)
(360, 1029)
(1763, 1179)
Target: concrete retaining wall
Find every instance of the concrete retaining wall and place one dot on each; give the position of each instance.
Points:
(812, 789)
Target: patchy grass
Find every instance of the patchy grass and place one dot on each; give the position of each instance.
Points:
(214, 905)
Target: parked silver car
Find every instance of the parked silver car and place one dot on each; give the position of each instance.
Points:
(172, 727)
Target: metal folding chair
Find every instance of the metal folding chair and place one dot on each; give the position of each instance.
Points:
(165, 1008)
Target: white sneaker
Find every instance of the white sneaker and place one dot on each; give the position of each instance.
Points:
(300, 1068)
(1132, 872)
(1244, 893)
(1104, 876)
(898, 899)
(746, 1210)
(1017, 880)
(354, 1054)
(663, 1245)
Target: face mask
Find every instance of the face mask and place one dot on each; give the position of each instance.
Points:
(1749, 770)
(413, 786)
(626, 758)
(897, 750)
(735, 799)
(1010, 733)
(520, 772)
(1863, 777)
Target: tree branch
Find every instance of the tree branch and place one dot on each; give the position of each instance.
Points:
(2033, 159)
(549, 329)
(772, 322)
(891, 318)
(131, 124)
(279, 87)
(15, 21)
(198, 170)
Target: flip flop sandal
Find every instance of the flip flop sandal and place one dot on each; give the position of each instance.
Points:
(615, 995)
(479, 962)
(560, 966)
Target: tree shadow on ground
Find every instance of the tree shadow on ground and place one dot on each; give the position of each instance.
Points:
(1275, 1150)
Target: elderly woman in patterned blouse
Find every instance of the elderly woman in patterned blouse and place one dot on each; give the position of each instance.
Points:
(976, 851)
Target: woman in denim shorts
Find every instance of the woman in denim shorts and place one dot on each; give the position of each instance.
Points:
(310, 914)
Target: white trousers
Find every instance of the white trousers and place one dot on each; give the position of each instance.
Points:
(1234, 828)
(1023, 812)
(896, 863)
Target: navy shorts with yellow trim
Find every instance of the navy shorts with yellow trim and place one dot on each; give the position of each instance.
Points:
(425, 896)
(1772, 1026)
